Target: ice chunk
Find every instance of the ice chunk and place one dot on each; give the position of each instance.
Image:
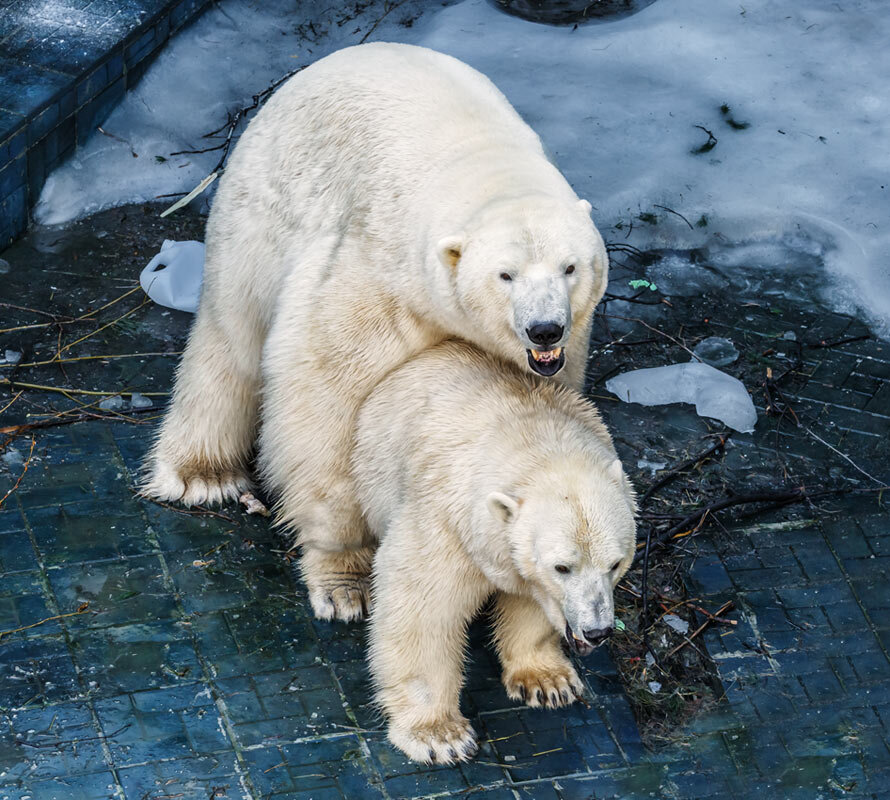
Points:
(714, 393)
(4, 266)
(679, 625)
(12, 458)
(114, 403)
(173, 277)
(716, 351)
(652, 466)
(13, 356)
(676, 275)
(138, 400)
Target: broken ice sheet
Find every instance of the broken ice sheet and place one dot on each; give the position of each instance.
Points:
(716, 351)
(173, 277)
(714, 393)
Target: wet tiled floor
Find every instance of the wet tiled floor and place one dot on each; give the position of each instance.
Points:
(158, 654)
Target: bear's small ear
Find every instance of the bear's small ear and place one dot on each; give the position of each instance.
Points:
(450, 250)
(585, 206)
(502, 507)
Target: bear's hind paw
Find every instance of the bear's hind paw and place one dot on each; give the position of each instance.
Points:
(348, 602)
(193, 487)
(446, 741)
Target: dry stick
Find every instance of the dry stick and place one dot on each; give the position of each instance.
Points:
(81, 318)
(843, 455)
(27, 464)
(61, 350)
(692, 462)
(63, 418)
(654, 330)
(675, 213)
(839, 342)
(81, 609)
(693, 522)
(42, 387)
(380, 19)
(107, 357)
(644, 592)
(711, 618)
(16, 397)
(196, 511)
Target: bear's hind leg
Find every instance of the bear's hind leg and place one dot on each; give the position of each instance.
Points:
(205, 440)
(424, 597)
(536, 671)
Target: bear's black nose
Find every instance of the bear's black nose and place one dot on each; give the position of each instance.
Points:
(544, 333)
(597, 635)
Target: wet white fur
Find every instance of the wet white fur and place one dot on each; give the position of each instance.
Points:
(366, 214)
(479, 478)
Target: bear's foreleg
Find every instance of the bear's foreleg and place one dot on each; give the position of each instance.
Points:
(425, 594)
(536, 671)
(205, 440)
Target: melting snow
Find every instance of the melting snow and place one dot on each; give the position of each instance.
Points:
(794, 95)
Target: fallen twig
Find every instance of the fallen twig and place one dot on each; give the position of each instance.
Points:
(22, 475)
(692, 462)
(45, 388)
(81, 609)
(711, 618)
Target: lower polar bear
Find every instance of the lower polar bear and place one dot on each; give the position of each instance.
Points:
(386, 198)
(479, 479)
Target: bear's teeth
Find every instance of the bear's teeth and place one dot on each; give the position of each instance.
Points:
(546, 355)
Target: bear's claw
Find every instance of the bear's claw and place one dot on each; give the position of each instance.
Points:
(446, 741)
(551, 687)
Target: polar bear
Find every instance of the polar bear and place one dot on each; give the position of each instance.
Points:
(478, 478)
(386, 198)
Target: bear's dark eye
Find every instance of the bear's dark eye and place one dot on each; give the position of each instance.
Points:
(615, 566)
(570, 269)
(562, 568)
(506, 276)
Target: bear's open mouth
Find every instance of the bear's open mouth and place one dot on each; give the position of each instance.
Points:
(546, 362)
(581, 646)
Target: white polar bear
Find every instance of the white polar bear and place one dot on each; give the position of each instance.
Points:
(386, 198)
(477, 478)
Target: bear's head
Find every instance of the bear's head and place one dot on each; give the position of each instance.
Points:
(524, 271)
(572, 536)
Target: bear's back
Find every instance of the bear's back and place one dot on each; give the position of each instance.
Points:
(453, 415)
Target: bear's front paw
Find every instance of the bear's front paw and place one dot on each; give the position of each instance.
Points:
(547, 687)
(444, 741)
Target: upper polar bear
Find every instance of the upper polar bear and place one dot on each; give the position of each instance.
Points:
(385, 198)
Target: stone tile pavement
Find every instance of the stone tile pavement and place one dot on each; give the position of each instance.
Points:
(165, 654)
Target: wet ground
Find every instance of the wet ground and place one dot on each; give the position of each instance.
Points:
(146, 652)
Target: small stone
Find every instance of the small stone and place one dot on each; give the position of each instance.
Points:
(790, 336)
(650, 659)
(138, 400)
(5, 266)
(13, 356)
(654, 687)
